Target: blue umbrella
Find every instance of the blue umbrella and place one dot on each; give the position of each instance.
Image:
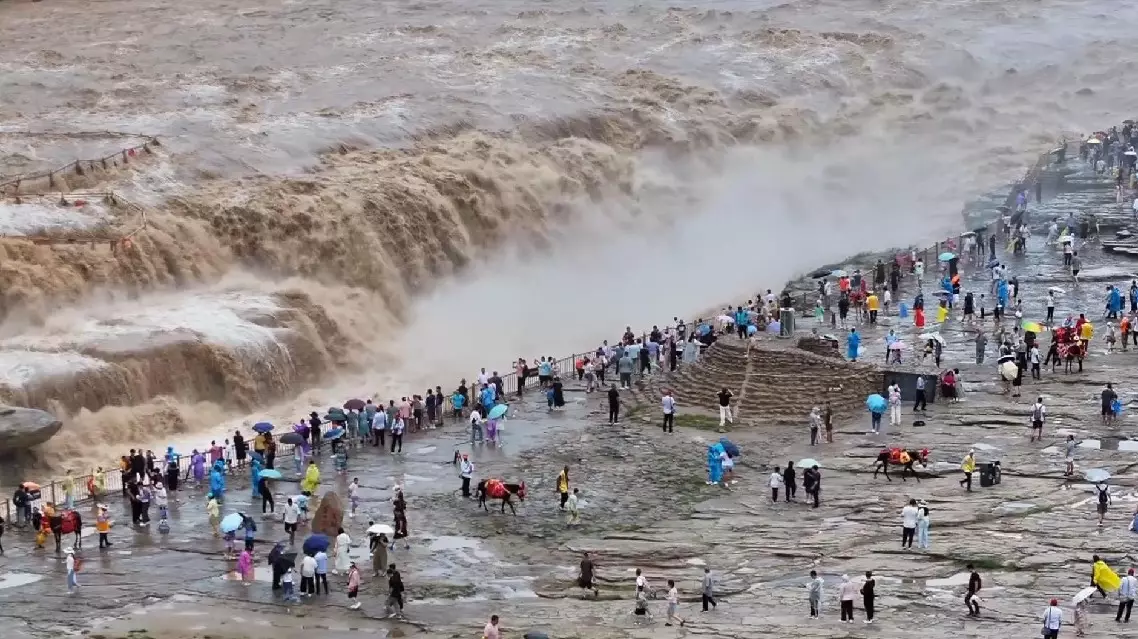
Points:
(732, 450)
(315, 544)
(335, 433)
(263, 427)
(498, 411)
(876, 403)
(232, 522)
(946, 256)
(270, 473)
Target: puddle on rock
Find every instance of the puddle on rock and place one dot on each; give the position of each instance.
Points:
(16, 579)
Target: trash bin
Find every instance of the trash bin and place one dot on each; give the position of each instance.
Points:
(786, 322)
(989, 474)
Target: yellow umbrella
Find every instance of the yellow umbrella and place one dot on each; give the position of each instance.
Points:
(1034, 327)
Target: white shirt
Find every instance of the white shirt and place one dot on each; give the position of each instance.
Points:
(475, 418)
(467, 469)
(353, 490)
(70, 563)
(1129, 587)
(483, 378)
(1052, 617)
(673, 596)
(287, 577)
(379, 422)
(776, 480)
(1050, 301)
(909, 516)
(291, 514)
(572, 503)
(668, 404)
(308, 566)
(641, 582)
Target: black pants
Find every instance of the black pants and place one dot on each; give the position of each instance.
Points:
(564, 499)
(920, 404)
(847, 610)
(377, 437)
(1035, 372)
(867, 601)
(742, 331)
(791, 491)
(307, 585)
(1126, 606)
(267, 501)
(614, 413)
(144, 512)
(708, 599)
(973, 605)
(1050, 314)
(669, 422)
(813, 436)
(774, 494)
(625, 380)
(814, 493)
(104, 542)
(466, 487)
(814, 607)
(321, 578)
(967, 481)
(645, 366)
(907, 537)
(1066, 259)
(396, 440)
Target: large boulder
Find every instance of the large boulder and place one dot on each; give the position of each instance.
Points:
(329, 516)
(22, 428)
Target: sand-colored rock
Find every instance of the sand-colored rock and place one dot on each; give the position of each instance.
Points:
(329, 516)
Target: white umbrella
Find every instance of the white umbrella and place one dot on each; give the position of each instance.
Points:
(809, 462)
(1094, 141)
(1056, 290)
(726, 319)
(1096, 474)
(1131, 153)
(934, 336)
(1066, 239)
(380, 529)
(1009, 370)
(1084, 594)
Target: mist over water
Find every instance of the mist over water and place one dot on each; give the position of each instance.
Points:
(507, 178)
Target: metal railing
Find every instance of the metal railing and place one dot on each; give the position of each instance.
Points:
(10, 185)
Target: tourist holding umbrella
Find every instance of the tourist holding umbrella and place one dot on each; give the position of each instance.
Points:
(876, 405)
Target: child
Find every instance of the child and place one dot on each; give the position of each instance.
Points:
(287, 582)
(574, 514)
(457, 400)
(888, 300)
(302, 506)
(819, 311)
(354, 495)
(227, 453)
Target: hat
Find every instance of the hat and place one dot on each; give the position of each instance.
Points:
(69, 551)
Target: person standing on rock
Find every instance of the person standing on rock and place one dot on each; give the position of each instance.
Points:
(814, 593)
(981, 346)
(1052, 620)
(673, 605)
(920, 404)
(563, 487)
(790, 482)
(1102, 496)
(853, 342)
(970, 598)
(828, 421)
(968, 466)
(812, 482)
(1038, 414)
(466, 472)
(1108, 399)
(775, 483)
(815, 424)
(923, 522)
(668, 405)
(909, 524)
(894, 404)
(1127, 590)
(624, 368)
(708, 593)
(846, 594)
(868, 595)
(725, 415)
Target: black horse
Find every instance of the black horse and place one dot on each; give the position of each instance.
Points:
(886, 457)
(509, 490)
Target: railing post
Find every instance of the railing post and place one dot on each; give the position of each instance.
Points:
(54, 500)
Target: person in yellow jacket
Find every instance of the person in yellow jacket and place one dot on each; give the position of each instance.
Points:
(942, 313)
(1086, 331)
(874, 305)
(968, 465)
(563, 486)
(1103, 578)
(311, 478)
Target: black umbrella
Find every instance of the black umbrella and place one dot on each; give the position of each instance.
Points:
(354, 404)
(295, 439)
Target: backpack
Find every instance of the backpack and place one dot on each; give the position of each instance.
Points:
(1037, 413)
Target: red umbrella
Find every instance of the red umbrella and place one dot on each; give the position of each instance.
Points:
(354, 404)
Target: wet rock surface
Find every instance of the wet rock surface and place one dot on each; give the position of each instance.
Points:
(22, 428)
(645, 504)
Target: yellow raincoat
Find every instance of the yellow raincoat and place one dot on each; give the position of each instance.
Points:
(941, 314)
(1104, 577)
(311, 479)
(969, 464)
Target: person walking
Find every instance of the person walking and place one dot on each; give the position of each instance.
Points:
(1052, 620)
(920, 404)
(1102, 495)
(708, 595)
(563, 487)
(673, 605)
(894, 404)
(814, 593)
(775, 483)
(353, 586)
(725, 415)
(490, 631)
(321, 576)
(868, 595)
(103, 527)
(291, 518)
(614, 405)
(968, 466)
(395, 589)
(668, 404)
(828, 421)
(1038, 414)
(466, 472)
(1127, 590)
(909, 516)
(846, 594)
(72, 570)
(974, 585)
(789, 482)
(1108, 399)
(308, 576)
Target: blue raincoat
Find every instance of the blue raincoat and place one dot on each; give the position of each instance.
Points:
(1115, 299)
(255, 474)
(217, 479)
(1002, 291)
(852, 344)
(714, 466)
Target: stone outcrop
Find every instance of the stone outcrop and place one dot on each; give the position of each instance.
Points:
(22, 428)
(329, 516)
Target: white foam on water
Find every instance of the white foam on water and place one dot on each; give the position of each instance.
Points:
(27, 218)
(20, 367)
